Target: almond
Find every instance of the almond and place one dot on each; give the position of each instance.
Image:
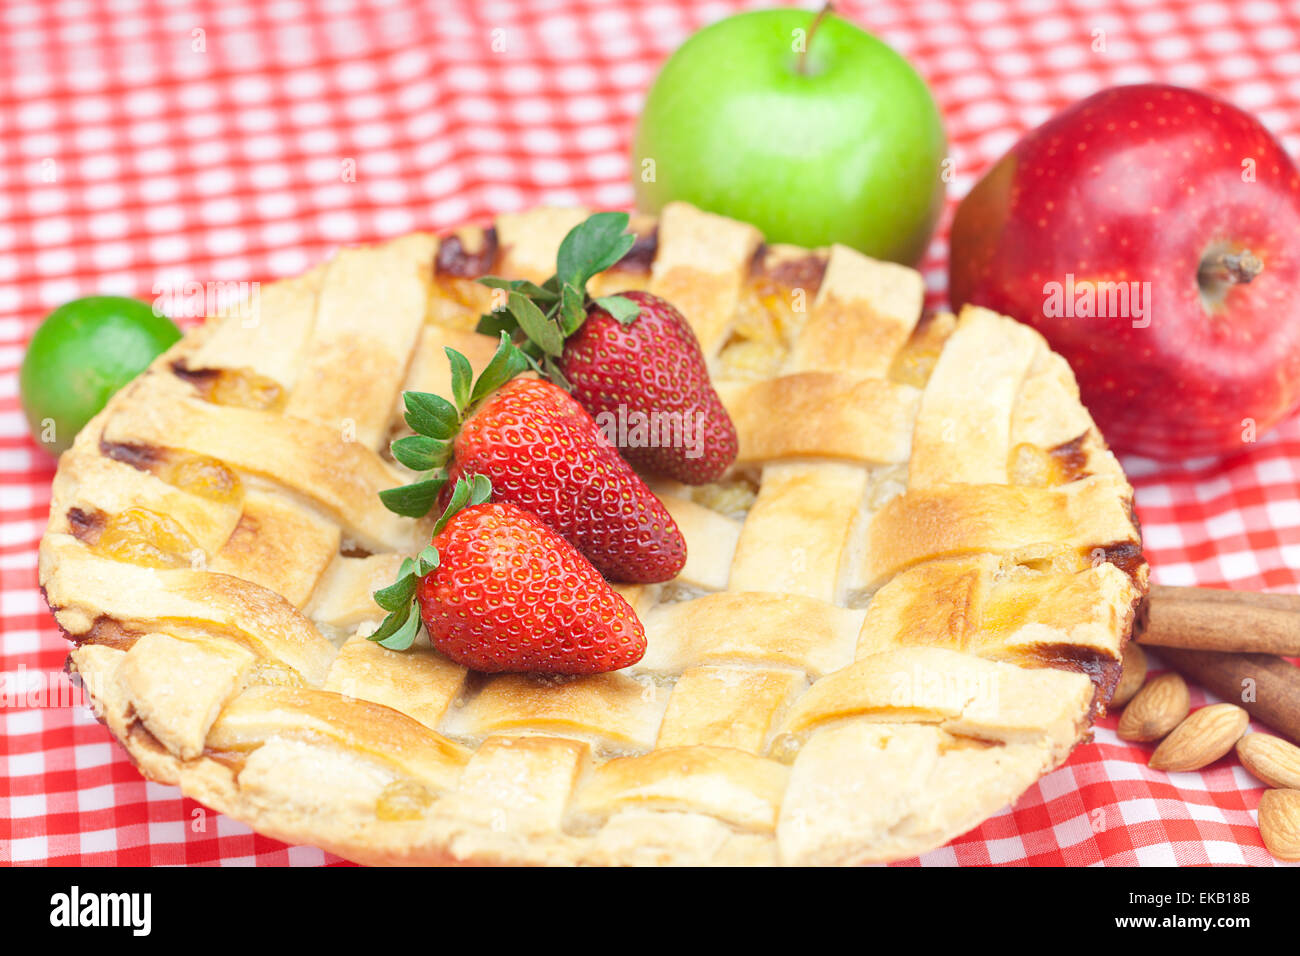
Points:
(1279, 823)
(1157, 709)
(1132, 676)
(1272, 759)
(1201, 739)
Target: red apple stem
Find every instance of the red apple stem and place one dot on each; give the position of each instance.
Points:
(812, 28)
(1230, 267)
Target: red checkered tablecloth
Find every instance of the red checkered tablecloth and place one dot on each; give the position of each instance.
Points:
(147, 143)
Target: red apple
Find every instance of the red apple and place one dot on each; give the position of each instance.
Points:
(1177, 217)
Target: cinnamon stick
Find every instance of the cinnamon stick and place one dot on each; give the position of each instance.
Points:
(1211, 619)
(1266, 686)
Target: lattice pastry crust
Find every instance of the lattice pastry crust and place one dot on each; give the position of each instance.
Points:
(905, 605)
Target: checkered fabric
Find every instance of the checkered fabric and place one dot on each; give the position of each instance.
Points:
(145, 144)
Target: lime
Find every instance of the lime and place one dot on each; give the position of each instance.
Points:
(81, 354)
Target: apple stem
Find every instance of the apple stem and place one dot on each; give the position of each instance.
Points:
(1229, 267)
(812, 28)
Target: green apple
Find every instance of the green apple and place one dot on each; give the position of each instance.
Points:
(800, 123)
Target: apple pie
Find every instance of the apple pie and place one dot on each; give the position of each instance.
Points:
(905, 602)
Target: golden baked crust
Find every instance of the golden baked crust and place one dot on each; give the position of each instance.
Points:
(904, 605)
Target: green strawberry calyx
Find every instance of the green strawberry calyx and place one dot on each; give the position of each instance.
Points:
(541, 317)
(398, 629)
(436, 422)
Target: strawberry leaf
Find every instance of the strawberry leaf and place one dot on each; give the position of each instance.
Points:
(421, 453)
(533, 363)
(466, 493)
(549, 313)
(398, 630)
(537, 293)
(494, 323)
(535, 324)
(593, 246)
(573, 309)
(431, 415)
(551, 370)
(480, 490)
(623, 309)
(462, 377)
(460, 496)
(508, 362)
(398, 594)
(413, 500)
(391, 622)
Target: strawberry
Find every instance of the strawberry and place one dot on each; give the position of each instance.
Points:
(631, 360)
(645, 379)
(497, 590)
(543, 453)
